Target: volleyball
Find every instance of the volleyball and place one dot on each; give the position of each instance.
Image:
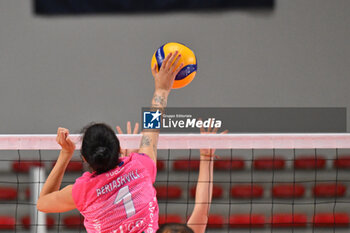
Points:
(188, 58)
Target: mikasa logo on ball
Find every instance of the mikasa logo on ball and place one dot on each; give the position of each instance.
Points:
(191, 123)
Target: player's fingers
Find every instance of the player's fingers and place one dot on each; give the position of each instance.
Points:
(215, 130)
(59, 131)
(66, 133)
(179, 68)
(58, 134)
(202, 128)
(63, 130)
(154, 70)
(61, 137)
(165, 61)
(176, 63)
(209, 129)
(136, 129)
(128, 127)
(171, 60)
(119, 130)
(224, 132)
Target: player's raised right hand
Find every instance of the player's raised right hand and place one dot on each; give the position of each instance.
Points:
(164, 78)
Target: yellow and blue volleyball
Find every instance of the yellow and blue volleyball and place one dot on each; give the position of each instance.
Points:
(189, 70)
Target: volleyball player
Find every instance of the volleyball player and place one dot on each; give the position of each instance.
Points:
(118, 195)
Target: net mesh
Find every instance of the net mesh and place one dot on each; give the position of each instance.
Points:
(262, 182)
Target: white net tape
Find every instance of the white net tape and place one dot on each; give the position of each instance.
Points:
(193, 141)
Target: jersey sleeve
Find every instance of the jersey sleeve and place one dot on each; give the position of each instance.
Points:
(78, 191)
(148, 163)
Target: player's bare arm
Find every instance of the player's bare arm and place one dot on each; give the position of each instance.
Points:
(163, 81)
(51, 199)
(204, 190)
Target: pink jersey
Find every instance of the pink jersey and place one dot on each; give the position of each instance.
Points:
(120, 200)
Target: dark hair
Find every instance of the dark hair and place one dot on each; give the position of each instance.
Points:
(174, 228)
(100, 147)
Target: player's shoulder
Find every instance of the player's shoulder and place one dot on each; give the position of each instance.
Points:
(141, 157)
(138, 158)
(138, 155)
(83, 180)
(85, 176)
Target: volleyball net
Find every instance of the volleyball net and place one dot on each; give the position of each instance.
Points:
(261, 182)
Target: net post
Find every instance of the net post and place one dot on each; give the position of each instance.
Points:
(37, 218)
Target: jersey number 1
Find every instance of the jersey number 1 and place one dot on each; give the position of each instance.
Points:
(125, 196)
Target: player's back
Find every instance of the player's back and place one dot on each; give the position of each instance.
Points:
(120, 200)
